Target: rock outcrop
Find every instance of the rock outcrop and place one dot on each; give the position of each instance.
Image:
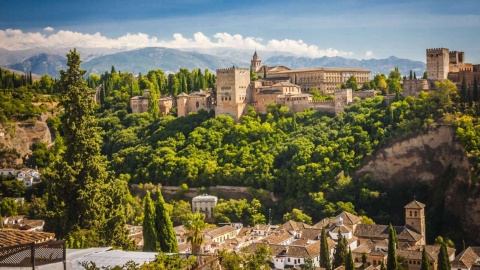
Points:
(435, 159)
(25, 134)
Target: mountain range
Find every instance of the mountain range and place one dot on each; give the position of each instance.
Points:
(98, 61)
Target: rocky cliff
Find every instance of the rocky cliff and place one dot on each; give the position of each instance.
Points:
(21, 136)
(437, 161)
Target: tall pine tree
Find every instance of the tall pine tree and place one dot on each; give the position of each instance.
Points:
(149, 231)
(392, 245)
(475, 89)
(324, 251)
(340, 252)
(443, 261)
(153, 97)
(425, 260)
(79, 187)
(167, 241)
(349, 264)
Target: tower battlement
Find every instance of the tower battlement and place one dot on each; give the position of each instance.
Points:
(433, 50)
(229, 70)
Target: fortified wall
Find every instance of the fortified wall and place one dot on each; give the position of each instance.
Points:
(414, 87)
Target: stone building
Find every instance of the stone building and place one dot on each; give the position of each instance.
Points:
(195, 101)
(445, 64)
(204, 204)
(139, 104)
(325, 79)
(414, 87)
(233, 91)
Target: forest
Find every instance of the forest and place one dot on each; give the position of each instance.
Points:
(306, 159)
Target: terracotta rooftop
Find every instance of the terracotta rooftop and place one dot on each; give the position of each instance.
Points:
(381, 232)
(16, 237)
(466, 258)
(215, 232)
(277, 237)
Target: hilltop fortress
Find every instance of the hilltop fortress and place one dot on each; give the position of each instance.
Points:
(281, 85)
(442, 64)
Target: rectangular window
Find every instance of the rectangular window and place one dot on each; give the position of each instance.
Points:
(415, 213)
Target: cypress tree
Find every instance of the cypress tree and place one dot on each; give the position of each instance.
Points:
(149, 233)
(79, 187)
(349, 265)
(463, 90)
(414, 75)
(324, 252)
(443, 261)
(425, 260)
(475, 89)
(340, 252)
(153, 108)
(411, 75)
(167, 241)
(392, 245)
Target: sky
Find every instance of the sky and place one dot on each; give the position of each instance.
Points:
(359, 29)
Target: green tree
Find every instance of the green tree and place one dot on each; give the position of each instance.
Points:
(392, 246)
(349, 264)
(425, 76)
(352, 83)
(259, 259)
(297, 215)
(308, 265)
(8, 207)
(340, 252)
(149, 230)
(475, 89)
(382, 266)
(443, 261)
(153, 108)
(324, 251)
(167, 241)
(425, 260)
(195, 224)
(79, 186)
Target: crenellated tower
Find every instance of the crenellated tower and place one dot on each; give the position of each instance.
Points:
(438, 60)
(233, 91)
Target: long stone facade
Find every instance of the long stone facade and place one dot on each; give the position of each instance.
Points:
(325, 79)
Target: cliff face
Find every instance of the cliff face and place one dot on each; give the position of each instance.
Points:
(25, 134)
(437, 160)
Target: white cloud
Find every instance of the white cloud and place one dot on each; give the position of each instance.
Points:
(48, 29)
(369, 53)
(14, 39)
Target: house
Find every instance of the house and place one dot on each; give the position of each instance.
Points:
(204, 204)
(261, 229)
(219, 234)
(467, 259)
(180, 234)
(7, 171)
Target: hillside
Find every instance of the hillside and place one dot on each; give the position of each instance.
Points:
(42, 64)
(143, 60)
(171, 60)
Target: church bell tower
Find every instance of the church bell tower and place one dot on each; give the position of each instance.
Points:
(415, 218)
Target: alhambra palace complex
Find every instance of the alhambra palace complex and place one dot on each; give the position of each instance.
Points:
(290, 87)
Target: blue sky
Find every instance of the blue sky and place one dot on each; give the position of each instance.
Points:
(349, 28)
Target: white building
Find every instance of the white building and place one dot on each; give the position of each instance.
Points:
(204, 204)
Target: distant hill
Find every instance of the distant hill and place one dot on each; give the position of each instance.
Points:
(42, 64)
(374, 65)
(171, 60)
(143, 60)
